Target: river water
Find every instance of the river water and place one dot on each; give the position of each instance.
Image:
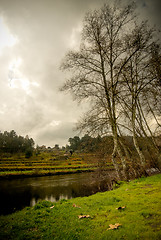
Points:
(18, 193)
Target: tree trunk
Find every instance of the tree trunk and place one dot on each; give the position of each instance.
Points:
(136, 144)
(147, 125)
(117, 148)
(115, 164)
(129, 158)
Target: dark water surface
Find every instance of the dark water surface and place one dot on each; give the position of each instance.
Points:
(18, 193)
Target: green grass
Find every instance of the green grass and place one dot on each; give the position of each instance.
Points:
(141, 219)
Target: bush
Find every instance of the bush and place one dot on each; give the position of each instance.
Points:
(28, 153)
(42, 204)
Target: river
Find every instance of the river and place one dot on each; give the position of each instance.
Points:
(18, 193)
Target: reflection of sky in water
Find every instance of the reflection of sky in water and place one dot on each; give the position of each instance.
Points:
(49, 198)
(32, 202)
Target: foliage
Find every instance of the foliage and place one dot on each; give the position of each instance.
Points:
(10, 142)
(28, 153)
(91, 144)
(141, 219)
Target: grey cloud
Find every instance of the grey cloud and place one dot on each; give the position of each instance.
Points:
(56, 134)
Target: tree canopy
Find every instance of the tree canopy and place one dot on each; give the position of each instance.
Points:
(90, 144)
(10, 142)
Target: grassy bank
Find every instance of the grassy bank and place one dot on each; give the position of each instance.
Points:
(140, 217)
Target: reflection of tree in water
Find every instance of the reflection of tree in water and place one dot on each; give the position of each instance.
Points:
(17, 194)
(12, 200)
(90, 188)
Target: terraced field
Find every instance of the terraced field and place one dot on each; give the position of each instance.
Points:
(46, 163)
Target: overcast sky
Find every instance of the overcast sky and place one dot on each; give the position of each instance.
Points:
(34, 37)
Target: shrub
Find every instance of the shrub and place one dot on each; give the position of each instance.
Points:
(42, 204)
(28, 153)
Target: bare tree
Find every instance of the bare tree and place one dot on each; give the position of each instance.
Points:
(98, 70)
(139, 81)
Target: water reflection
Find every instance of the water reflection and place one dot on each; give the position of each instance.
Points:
(19, 193)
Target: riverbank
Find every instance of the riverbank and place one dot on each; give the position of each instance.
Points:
(130, 212)
(28, 174)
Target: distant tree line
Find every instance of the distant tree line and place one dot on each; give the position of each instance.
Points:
(10, 142)
(90, 144)
(105, 144)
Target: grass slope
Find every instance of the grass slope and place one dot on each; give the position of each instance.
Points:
(141, 219)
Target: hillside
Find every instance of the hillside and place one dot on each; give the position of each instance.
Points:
(49, 163)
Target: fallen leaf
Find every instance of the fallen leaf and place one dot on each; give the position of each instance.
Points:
(115, 226)
(52, 206)
(74, 205)
(121, 208)
(83, 216)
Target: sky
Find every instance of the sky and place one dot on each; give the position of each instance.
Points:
(35, 35)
